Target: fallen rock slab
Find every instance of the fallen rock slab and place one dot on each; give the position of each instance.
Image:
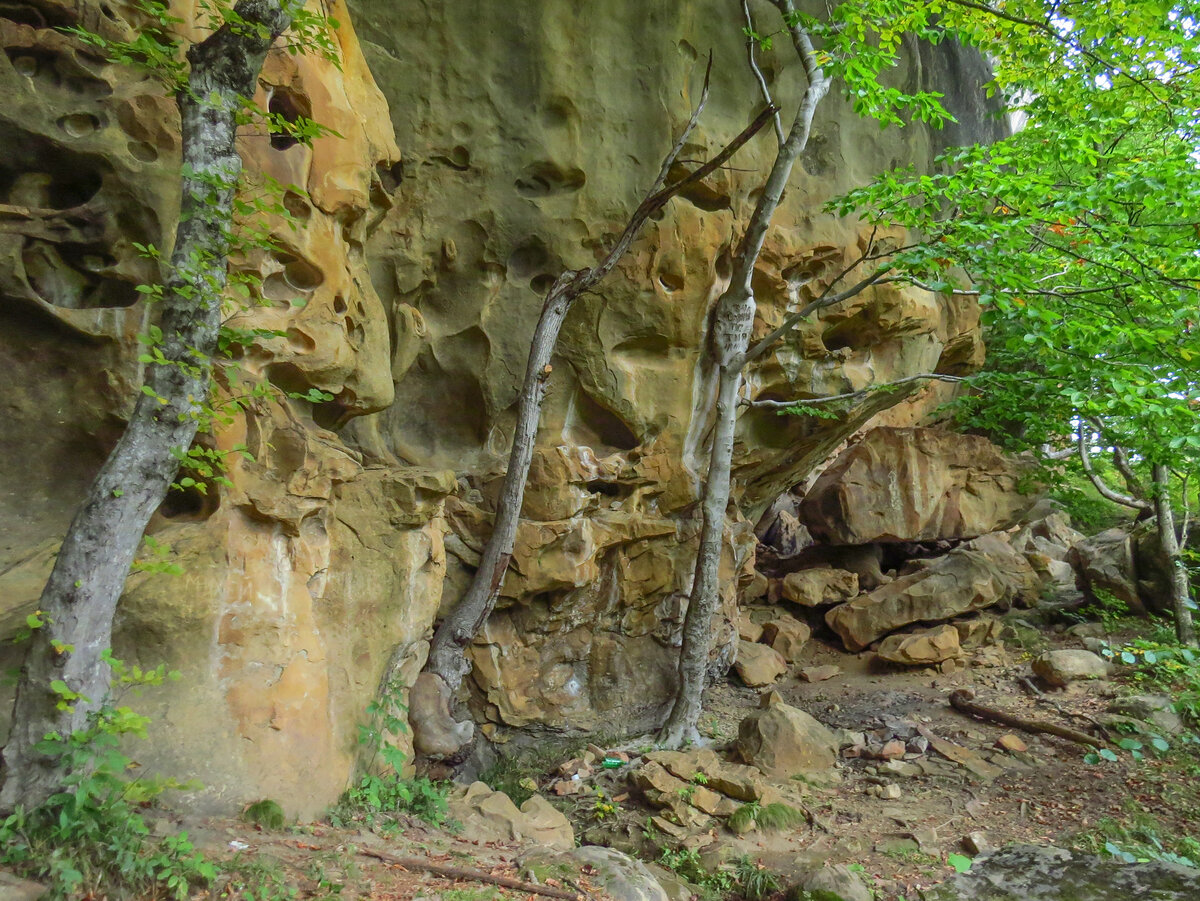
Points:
(787, 635)
(759, 665)
(488, 815)
(819, 587)
(922, 648)
(986, 572)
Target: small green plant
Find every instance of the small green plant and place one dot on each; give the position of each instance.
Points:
(257, 878)
(90, 838)
(766, 817)
(752, 880)
(1107, 608)
(687, 865)
(1140, 839)
(686, 792)
(381, 789)
(266, 814)
(604, 806)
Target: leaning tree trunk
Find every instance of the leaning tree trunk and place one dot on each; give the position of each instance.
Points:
(80, 598)
(727, 346)
(1181, 600)
(435, 732)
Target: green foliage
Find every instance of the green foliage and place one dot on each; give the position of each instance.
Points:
(752, 880)
(257, 878)
(381, 790)
(1107, 608)
(767, 817)
(604, 806)
(1141, 839)
(1161, 662)
(90, 838)
(959, 862)
(687, 865)
(266, 814)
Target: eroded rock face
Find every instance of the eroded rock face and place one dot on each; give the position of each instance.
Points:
(914, 485)
(408, 293)
(313, 540)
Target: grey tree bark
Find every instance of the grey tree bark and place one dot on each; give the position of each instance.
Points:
(1181, 600)
(727, 349)
(81, 596)
(435, 732)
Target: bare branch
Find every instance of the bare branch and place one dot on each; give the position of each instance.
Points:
(853, 395)
(917, 283)
(1111, 494)
(808, 309)
(762, 82)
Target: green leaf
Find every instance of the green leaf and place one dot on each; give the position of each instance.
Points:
(960, 862)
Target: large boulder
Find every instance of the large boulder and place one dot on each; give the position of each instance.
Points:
(617, 875)
(784, 741)
(819, 587)
(1039, 873)
(982, 573)
(758, 664)
(1104, 563)
(914, 484)
(1066, 665)
(787, 635)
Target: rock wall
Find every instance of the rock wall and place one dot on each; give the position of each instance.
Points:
(519, 141)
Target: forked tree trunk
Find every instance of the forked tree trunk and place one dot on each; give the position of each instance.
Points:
(80, 598)
(727, 347)
(1181, 601)
(435, 731)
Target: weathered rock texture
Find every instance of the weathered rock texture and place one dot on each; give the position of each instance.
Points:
(915, 485)
(408, 292)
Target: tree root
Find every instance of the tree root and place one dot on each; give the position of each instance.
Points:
(424, 865)
(964, 701)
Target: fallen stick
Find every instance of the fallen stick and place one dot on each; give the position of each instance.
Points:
(438, 869)
(964, 701)
(1040, 697)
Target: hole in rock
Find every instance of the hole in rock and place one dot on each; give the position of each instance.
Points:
(456, 158)
(303, 275)
(699, 195)
(339, 305)
(189, 504)
(545, 179)
(529, 259)
(596, 426)
(142, 152)
(23, 14)
(71, 277)
(290, 106)
(332, 414)
(670, 281)
(300, 342)
(297, 206)
(60, 189)
(541, 284)
(390, 175)
(77, 125)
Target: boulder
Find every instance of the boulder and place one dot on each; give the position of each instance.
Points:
(914, 484)
(1158, 711)
(978, 631)
(787, 635)
(922, 648)
(618, 876)
(748, 629)
(784, 741)
(1064, 666)
(1028, 872)
(488, 815)
(819, 587)
(982, 573)
(834, 880)
(1104, 562)
(759, 665)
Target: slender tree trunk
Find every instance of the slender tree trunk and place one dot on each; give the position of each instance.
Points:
(81, 596)
(435, 732)
(1181, 600)
(727, 348)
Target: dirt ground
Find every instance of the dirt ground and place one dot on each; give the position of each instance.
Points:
(1046, 793)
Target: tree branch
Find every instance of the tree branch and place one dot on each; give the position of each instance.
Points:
(852, 395)
(762, 82)
(1111, 494)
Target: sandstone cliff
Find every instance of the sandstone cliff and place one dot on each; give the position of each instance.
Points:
(483, 147)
